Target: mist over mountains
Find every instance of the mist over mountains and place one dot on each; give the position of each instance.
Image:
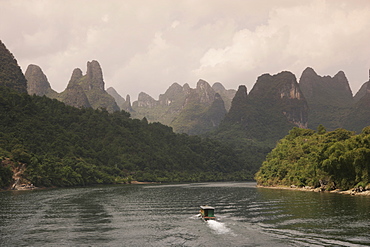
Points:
(275, 104)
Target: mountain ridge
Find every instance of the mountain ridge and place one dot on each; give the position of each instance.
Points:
(329, 98)
(187, 110)
(10, 73)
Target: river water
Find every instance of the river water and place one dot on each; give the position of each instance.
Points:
(166, 215)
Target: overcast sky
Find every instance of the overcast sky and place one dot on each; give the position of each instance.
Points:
(146, 45)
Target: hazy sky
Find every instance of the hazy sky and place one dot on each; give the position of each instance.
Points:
(146, 45)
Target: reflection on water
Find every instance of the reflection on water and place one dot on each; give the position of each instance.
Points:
(166, 215)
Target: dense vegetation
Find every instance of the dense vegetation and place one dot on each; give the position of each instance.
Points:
(65, 146)
(197, 118)
(10, 73)
(336, 159)
(250, 152)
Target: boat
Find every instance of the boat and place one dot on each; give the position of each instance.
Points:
(207, 212)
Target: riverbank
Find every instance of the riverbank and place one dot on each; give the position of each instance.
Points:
(138, 182)
(16, 186)
(347, 192)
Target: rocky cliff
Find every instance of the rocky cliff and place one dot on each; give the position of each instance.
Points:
(239, 107)
(94, 76)
(145, 101)
(361, 92)
(202, 111)
(37, 82)
(74, 94)
(173, 95)
(359, 115)
(127, 105)
(227, 95)
(89, 86)
(118, 98)
(187, 110)
(316, 87)
(329, 98)
(10, 73)
(272, 108)
(205, 93)
(214, 114)
(281, 94)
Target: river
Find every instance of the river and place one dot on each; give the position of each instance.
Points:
(167, 215)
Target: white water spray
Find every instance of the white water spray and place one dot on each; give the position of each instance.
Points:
(218, 227)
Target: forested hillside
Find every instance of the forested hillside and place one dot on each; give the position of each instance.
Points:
(330, 160)
(10, 73)
(64, 146)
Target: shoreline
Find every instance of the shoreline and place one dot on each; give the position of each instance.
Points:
(138, 182)
(30, 188)
(352, 192)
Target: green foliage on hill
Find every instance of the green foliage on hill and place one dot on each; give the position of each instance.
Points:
(10, 73)
(336, 159)
(5, 175)
(66, 146)
(250, 151)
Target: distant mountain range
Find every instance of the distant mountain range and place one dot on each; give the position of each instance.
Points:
(275, 104)
(186, 110)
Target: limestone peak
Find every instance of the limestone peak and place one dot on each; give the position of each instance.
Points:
(145, 100)
(117, 97)
(37, 82)
(75, 77)
(205, 91)
(95, 75)
(217, 86)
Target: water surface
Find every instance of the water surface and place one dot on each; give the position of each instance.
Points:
(167, 215)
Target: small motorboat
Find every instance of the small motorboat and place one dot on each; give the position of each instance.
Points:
(207, 212)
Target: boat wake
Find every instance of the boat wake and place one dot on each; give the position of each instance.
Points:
(195, 217)
(218, 227)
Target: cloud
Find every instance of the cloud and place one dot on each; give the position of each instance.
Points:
(321, 35)
(147, 45)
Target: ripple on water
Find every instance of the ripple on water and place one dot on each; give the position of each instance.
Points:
(165, 215)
